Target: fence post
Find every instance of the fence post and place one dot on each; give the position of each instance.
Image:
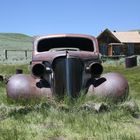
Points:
(26, 54)
(5, 54)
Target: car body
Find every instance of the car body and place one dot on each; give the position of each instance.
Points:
(62, 65)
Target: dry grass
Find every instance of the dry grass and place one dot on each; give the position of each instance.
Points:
(68, 121)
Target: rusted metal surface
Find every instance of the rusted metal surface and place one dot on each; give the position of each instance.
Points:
(25, 86)
(63, 64)
(114, 85)
(51, 55)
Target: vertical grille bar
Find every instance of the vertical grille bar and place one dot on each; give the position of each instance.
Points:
(67, 76)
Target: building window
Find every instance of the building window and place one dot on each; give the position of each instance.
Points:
(116, 50)
(103, 49)
(130, 49)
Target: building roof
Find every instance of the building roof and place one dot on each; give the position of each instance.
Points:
(122, 37)
(128, 37)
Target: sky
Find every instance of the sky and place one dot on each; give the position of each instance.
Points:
(39, 17)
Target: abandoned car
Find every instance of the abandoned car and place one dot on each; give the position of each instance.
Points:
(65, 65)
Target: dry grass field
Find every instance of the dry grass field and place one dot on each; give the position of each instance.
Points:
(65, 120)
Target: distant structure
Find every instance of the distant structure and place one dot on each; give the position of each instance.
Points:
(119, 43)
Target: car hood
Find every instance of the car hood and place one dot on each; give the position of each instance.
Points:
(50, 56)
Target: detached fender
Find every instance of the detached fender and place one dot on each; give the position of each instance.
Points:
(26, 87)
(114, 86)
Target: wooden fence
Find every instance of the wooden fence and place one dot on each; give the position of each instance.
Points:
(26, 54)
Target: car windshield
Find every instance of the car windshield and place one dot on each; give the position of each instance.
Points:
(83, 44)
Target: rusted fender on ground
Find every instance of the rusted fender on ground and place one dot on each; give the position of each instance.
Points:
(114, 85)
(26, 87)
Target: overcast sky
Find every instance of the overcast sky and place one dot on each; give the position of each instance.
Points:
(36, 17)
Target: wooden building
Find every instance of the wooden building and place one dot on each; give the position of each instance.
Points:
(119, 43)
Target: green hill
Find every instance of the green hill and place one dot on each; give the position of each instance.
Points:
(136, 30)
(15, 41)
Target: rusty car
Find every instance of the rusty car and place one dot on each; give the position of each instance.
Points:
(64, 65)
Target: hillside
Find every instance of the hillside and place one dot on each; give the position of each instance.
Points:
(15, 41)
(136, 30)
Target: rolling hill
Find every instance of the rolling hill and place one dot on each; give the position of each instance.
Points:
(136, 30)
(15, 41)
